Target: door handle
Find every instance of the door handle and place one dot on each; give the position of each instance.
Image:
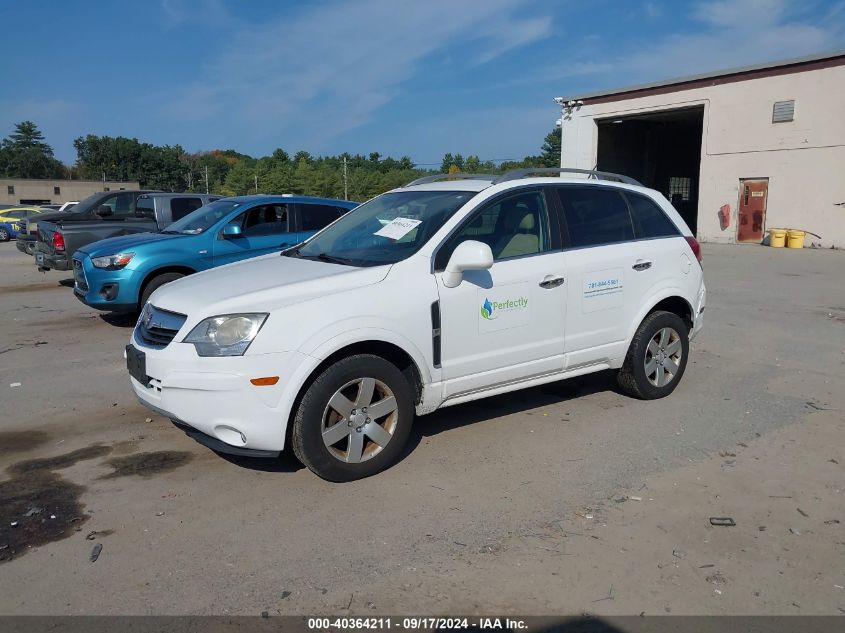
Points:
(551, 282)
(641, 265)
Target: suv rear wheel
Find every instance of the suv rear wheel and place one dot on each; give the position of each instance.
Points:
(354, 419)
(657, 357)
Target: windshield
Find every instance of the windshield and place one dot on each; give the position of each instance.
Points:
(385, 230)
(202, 219)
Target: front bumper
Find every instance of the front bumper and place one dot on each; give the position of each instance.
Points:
(108, 290)
(214, 396)
(221, 447)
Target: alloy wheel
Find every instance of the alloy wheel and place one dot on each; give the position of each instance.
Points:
(663, 357)
(360, 420)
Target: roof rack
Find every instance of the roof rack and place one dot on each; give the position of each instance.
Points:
(456, 176)
(515, 174)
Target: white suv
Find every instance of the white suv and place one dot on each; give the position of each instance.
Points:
(443, 291)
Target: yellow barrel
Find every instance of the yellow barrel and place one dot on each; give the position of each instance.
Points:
(777, 238)
(795, 238)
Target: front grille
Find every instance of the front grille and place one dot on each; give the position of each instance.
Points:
(79, 276)
(157, 328)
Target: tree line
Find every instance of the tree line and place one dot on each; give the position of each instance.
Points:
(25, 154)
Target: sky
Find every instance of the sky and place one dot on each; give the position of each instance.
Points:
(402, 78)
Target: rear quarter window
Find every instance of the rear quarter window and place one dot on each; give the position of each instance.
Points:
(595, 215)
(649, 219)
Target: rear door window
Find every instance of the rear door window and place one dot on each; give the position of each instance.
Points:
(595, 215)
(180, 207)
(267, 219)
(145, 208)
(649, 219)
(317, 216)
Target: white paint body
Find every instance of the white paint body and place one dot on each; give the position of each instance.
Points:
(316, 309)
(804, 159)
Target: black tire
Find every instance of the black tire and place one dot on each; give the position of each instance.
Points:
(4, 235)
(29, 248)
(154, 284)
(307, 432)
(633, 378)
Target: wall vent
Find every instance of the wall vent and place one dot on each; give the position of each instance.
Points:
(783, 111)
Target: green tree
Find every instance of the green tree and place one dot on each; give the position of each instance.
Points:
(25, 154)
(449, 161)
(121, 158)
(551, 149)
(240, 180)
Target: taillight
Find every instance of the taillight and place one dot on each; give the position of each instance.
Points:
(695, 246)
(58, 241)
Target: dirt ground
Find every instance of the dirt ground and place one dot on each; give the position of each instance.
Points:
(566, 499)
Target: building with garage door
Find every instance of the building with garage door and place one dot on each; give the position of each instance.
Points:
(737, 152)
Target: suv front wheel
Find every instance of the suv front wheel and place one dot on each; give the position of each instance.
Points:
(354, 419)
(657, 357)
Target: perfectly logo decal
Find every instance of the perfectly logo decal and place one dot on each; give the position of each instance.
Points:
(490, 310)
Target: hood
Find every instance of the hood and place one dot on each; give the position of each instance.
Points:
(261, 284)
(124, 243)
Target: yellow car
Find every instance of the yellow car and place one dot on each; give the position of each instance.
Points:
(12, 219)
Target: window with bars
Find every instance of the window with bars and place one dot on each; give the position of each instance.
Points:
(680, 188)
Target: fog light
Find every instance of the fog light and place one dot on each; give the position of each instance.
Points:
(109, 292)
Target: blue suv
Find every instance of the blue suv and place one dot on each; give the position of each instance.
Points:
(120, 273)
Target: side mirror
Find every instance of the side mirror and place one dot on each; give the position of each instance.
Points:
(469, 255)
(104, 211)
(232, 230)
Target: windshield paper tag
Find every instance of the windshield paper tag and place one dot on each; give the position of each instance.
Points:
(398, 228)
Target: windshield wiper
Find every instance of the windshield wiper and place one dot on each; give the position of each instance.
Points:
(331, 259)
(323, 257)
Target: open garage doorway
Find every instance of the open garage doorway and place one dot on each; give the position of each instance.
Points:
(660, 149)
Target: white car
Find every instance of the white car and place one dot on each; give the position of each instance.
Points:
(473, 287)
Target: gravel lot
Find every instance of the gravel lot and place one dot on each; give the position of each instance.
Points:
(558, 500)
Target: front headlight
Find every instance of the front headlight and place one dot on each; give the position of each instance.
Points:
(226, 335)
(112, 261)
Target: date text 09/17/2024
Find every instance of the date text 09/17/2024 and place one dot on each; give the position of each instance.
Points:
(415, 623)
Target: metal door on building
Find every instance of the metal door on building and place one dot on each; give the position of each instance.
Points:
(751, 212)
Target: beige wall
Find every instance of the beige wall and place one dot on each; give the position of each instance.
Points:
(68, 189)
(804, 160)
